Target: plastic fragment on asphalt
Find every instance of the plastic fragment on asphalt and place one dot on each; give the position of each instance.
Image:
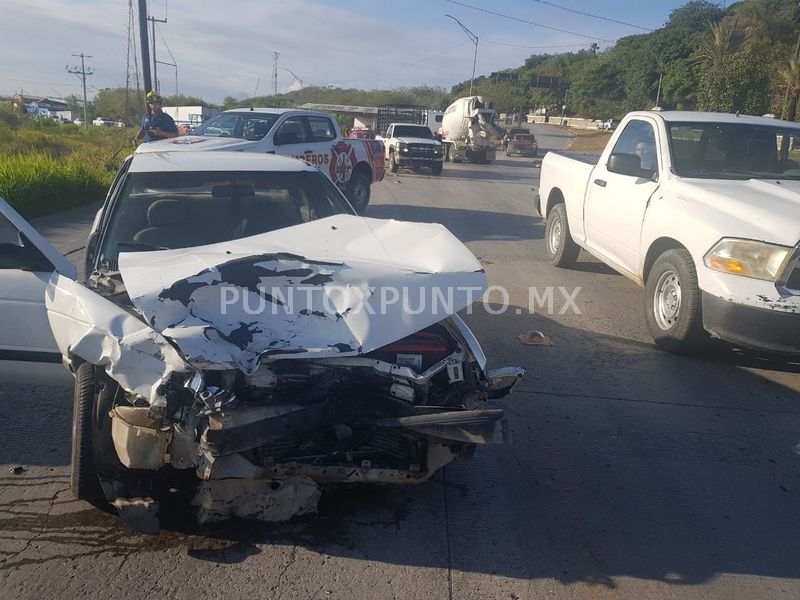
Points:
(534, 338)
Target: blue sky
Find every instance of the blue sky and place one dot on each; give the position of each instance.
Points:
(222, 49)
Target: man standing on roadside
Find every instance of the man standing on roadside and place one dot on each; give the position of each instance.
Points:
(156, 124)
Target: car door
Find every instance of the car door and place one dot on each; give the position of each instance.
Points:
(292, 138)
(28, 352)
(618, 197)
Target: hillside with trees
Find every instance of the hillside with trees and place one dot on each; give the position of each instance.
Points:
(743, 58)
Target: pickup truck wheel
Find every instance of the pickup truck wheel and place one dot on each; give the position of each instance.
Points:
(357, 191)
(84, 481)
(393, 166)
(436, 169)
(673, 312)
(562, 250)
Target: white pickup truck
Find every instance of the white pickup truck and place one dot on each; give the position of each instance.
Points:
(412, 145)
(314, 137)
(703, 210)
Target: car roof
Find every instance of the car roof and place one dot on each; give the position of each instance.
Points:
(152, 162)
(411, 124)
(687, 116)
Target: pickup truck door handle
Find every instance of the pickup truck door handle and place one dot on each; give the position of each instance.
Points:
(600, 182)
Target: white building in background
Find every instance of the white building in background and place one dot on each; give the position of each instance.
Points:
(190, 115)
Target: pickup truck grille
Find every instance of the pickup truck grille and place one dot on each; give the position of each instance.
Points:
(421, 149)
(793, 283)
(790, 279)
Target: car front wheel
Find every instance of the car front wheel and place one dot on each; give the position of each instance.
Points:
(358, 191)
(673, 312)
(84, 480)
(393, 166)
(561, 249)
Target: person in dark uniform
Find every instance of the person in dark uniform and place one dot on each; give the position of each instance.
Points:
(156, 124)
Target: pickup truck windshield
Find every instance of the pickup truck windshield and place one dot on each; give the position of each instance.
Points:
(244, 125)
(155, 211)
(417, 131)
(735, 151)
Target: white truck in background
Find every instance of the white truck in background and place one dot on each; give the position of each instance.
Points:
(469, 131)
(701, 209)
(412, 145)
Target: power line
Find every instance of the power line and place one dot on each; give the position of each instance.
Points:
(419, 62)
(519, 20)
(585, 14)
(543, 47)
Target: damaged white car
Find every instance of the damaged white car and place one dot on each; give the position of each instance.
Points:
(240, 324)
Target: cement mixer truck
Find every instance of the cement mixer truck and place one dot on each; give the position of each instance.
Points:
(469, 131)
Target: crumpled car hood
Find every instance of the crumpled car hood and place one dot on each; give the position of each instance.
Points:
(339, 286)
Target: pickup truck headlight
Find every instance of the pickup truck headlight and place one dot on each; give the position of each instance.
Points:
(403, 147)
(438, 150)
(748, 258)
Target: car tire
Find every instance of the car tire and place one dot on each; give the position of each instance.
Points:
(84, 480)
(562, 251)
(673, 312)
(393, 166)
(437, 169)
(358, 191)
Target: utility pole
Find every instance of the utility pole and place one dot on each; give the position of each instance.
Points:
(82, 73)
(153, 22)
(145, 46)
(275, 56)
(474, 39)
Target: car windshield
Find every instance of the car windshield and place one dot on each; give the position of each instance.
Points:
(522, 137)
(735, 151)
(156, 211)
(417, 131)
(245, 125)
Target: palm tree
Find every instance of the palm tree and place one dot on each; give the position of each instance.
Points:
(790, 80)
(725, 39)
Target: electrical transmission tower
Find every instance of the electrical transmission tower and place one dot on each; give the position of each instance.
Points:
(275, 55)
(82, 74)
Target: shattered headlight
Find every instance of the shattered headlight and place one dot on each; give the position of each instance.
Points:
(748, 258)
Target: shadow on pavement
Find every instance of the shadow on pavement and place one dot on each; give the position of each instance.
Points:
(461, 222)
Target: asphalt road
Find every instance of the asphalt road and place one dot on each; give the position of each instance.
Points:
(633, 473)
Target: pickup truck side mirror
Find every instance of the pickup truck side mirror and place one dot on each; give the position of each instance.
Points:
(625, 164)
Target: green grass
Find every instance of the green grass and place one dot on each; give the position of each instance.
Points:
(46, 167)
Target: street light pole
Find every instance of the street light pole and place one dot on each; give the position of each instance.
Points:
(297, 79)
(474, 39)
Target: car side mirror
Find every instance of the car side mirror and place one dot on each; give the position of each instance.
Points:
(625, 164)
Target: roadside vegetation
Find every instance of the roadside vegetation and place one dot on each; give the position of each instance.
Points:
(741, 58)
(588, 140)
(46, 167)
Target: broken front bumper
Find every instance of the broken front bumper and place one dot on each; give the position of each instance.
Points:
(763, 328)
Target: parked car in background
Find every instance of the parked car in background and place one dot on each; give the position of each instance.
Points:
(101, 121)
(701, 209)
(78, 121)
(248, 410)
(362, 134)
(522, 144)
(314, 137)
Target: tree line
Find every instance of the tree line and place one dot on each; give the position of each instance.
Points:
(743, 58)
